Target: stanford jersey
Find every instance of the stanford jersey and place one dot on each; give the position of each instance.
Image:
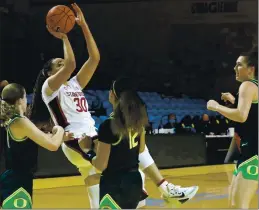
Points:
(69, 108)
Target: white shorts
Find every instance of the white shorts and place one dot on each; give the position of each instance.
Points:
(82, 130)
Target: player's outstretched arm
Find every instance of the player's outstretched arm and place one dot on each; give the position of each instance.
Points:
(87, 70)
(60, 77)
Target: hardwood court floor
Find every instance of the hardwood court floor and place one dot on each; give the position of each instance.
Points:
(69, 192)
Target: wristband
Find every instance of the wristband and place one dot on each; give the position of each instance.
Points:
(90, 155)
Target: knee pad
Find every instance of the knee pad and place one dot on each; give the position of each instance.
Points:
(145, 159)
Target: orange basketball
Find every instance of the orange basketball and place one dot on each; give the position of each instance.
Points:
(61, 19)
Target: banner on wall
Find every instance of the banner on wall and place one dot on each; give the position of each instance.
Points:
(220, 11)
(173, 11)
(213, 7)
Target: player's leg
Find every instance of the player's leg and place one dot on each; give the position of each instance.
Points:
(232, 152)
(168, 190)
(246, 183)
(88, 172)
(144, 193)
(16, 190)
(121, 191)
(92, 181)
(232, 191)
(110, 192)
(131, 190)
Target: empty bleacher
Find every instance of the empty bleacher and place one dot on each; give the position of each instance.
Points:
(158, 107)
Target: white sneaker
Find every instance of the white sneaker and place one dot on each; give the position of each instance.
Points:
(182, 194)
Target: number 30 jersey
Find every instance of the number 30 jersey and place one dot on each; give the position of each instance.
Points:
(68, 108)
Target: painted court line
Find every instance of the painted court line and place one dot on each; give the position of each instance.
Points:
(199, 197)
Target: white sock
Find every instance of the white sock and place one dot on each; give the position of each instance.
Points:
(163, 187)
(141, 204)
(93, 194)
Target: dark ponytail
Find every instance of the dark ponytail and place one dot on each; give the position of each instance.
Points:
(252, 59)
(39, 113)
(130, 114)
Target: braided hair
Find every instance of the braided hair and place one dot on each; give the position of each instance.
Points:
(38, 111)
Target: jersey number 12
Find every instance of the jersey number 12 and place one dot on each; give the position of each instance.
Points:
(132, 140)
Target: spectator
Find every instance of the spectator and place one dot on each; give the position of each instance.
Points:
(197, 123)
(171, 122)
(206, 124)
(187, 125)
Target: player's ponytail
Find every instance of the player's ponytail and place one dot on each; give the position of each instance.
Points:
(130, 112)
(252, 59)
(39, 112)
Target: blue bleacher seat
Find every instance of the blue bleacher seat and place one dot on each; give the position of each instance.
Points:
(103, 118)
(107, 104)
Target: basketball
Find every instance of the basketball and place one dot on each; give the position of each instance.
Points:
(60, 19)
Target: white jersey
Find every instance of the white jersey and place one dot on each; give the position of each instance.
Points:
(68, 108)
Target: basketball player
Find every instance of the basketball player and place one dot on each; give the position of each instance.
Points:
(245, 180)
(118, 149)
(23, 138)
(66, 102)
(68, 108)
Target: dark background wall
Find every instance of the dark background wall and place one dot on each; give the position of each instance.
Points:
(168, 46)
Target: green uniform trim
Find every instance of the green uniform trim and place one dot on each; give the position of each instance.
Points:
(108, 203)
(249, 169)
(255, 82)
(8, 128)
(20, 199)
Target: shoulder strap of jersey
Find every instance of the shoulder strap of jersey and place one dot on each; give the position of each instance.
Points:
(15, 117)
(9, 133)
(254, 81)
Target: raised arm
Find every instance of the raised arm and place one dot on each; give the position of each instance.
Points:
(87, 70)
(58, 78)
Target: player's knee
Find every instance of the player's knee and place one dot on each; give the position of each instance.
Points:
(92, 180)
